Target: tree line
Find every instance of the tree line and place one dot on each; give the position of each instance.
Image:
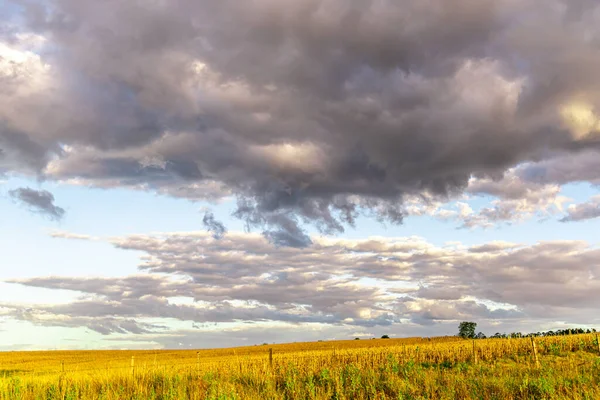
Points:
(467, 330)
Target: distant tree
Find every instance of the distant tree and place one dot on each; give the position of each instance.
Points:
(480, 335)
(558, 332)
(385, 337)
(357, 338)
(466, 330)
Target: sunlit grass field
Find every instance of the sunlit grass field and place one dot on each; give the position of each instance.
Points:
(413, 368)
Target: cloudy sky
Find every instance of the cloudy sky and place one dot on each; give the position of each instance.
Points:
(192, 173)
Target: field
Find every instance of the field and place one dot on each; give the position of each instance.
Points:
(416, 368)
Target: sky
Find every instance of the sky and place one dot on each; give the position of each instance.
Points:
(195, 174)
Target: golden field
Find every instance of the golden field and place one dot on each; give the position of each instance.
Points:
(413, 368)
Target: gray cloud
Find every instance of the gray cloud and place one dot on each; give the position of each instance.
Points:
(102, 325)
(430, 313)
(249, 258)
(212, 225)
(493, 247)
(583, 211)
(378, 283)
(287, 232)
(514, 198)
(40, 201)
(285, 106)
(579, 167)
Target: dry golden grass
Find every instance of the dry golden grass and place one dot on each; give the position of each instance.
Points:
(50, 361)
(445, 367)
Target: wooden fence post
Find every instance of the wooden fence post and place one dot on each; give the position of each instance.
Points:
(62, 366)
(271, 358)
(535, 353)
(474, 353)
(198, 361)
(132, 365)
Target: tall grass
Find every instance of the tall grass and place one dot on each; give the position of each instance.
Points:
(440, 368)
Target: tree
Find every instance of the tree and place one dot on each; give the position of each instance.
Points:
(466, 330)
(385, 337)
(480, 335)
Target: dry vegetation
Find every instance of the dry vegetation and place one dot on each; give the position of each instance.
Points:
(417, 368)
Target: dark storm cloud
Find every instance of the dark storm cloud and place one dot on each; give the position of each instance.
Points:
(39, 201)
(19, 151)
(289, 234)
(281, 229)
(309, 111)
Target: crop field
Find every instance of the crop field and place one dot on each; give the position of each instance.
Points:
(560, 367)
